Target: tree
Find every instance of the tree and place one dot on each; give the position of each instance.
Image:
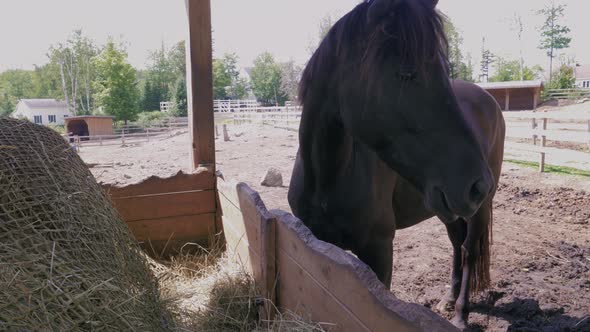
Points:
(290, 76)
(180, 98)
(324, 25)
(510, 70)
(14, 85)
(554, 36)
(227, 83)
(564, 77)
(266, 80)
(518, 28)
(116, 84)
(221, 80)
(150, 100)
(459, 67)
(74, 58)
(487, 58)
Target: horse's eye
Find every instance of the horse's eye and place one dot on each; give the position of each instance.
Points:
(407, 76)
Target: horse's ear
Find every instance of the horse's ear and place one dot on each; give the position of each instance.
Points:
(381, 8)
(434, 3)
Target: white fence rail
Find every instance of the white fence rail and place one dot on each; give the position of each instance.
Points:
(569, 127)
(569, 93)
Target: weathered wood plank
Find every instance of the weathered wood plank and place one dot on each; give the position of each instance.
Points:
(175, 228)
(352, 283)
(181, 182)
(246, 220)
(163, 206)
(199, 49)
(298, 292)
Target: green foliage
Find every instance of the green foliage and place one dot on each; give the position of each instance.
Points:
(148, 119)
(72, 63)
(180, 108)
(554, 36)
(266, 80)
(509, 70)
(116, 84)
(460, 67)
(564, 78)
(14, 85)
(227, 83)
(60, 129)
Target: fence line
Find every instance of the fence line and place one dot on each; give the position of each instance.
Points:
(536, 123)
(568, 93)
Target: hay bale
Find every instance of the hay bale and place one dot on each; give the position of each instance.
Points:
(67, 261)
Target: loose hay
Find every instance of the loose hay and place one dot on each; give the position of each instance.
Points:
(67, 261)
(212, 292)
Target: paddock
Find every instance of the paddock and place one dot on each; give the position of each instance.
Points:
(293, 270)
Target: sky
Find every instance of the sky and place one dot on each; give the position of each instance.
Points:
(286, 28)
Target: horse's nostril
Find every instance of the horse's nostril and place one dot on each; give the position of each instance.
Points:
(479, 191)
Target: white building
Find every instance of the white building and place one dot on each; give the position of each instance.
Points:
(42, 111)
(582, 74)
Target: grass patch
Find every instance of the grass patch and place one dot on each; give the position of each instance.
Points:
(551, 168)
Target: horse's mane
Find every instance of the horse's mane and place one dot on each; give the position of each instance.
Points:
(413, 31)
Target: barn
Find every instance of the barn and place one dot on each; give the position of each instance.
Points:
(89, 125)
(516, 95)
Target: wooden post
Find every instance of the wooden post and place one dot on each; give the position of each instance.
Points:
(216, 131)
(147, 134)
(200, 83)
(507, 106)
(536, 99)
(225, 134)
(123, 136)
(543, 142)
(100, 140)
(534, 126)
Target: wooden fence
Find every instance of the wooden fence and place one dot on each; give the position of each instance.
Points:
(568, 93)
(165, 214)
(573, 127)
(299, 273)
(130, 134)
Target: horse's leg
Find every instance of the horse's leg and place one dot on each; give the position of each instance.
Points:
(378, 254)
(457, 233)
(477, 227)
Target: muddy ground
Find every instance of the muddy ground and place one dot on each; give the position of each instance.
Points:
(541, 252)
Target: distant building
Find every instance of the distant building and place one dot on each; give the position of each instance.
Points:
(515, 95)
(582, 74)
(42, 111)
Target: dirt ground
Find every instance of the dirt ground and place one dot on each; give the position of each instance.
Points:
(541, 252)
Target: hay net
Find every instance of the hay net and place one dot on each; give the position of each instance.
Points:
(67, 261)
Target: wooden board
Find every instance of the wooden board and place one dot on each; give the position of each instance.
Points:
(311, 277)
(176, 228)
(250, 236)
(181, 182)
(199, 48)
(165, 205)
(350, 282)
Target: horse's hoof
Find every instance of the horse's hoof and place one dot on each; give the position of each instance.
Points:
(446, 305)
(459, 323)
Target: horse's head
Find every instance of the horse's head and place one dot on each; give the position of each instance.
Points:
(397, 98)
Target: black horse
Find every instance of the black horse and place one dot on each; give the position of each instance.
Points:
(387, 140)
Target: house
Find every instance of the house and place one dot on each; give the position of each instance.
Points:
(582, 74)
(515, 95)
(42, 111)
